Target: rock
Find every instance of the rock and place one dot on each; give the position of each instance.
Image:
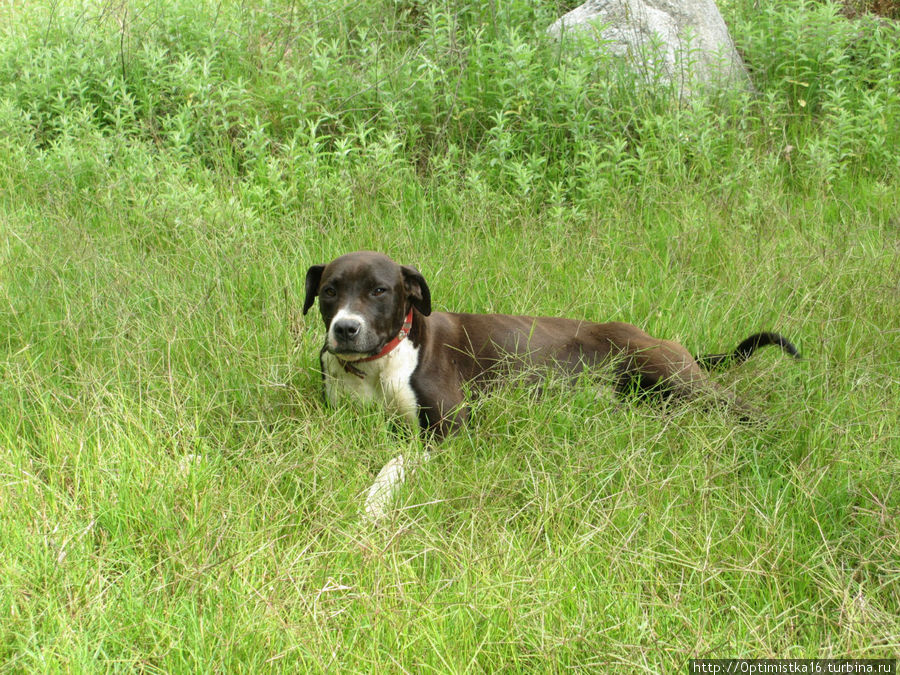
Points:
(683, 42)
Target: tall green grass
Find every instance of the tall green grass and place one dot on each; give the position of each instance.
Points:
(176, 497)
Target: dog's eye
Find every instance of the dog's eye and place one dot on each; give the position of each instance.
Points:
(329, 292)
(381, 290)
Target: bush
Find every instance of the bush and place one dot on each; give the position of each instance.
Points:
(461, 87)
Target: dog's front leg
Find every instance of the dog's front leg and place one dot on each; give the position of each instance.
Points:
(440, 412)
(436, 424)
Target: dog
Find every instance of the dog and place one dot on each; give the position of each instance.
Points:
(384, 344)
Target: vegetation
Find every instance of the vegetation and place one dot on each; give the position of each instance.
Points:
(175, 496)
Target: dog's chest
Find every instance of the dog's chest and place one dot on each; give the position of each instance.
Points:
(385, 381)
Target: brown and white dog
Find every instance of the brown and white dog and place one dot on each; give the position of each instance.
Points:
(384, 344)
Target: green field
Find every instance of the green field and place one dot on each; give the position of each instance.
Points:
(176, 497)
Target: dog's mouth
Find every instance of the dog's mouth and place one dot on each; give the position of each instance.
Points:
(352, 352)
(368, 344)
(354, 349)
(351, 356)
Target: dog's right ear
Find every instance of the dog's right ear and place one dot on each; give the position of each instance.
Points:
(313, 276)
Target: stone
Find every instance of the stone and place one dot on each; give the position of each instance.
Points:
(684, 42)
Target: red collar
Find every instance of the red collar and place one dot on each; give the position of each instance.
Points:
(350, 366)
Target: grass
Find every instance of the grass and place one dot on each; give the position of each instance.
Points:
(175, 496)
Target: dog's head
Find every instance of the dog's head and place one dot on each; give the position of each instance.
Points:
(364, 298)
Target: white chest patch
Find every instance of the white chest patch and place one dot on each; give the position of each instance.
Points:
(386, 381)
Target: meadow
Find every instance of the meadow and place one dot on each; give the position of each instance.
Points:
(176, 497)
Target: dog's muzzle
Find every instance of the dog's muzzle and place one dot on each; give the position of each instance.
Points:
(350, 337)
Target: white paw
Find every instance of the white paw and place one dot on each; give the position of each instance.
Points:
(384, 489)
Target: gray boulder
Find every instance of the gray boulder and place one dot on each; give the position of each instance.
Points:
(684, 42)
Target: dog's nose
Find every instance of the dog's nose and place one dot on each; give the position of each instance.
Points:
(346, 329)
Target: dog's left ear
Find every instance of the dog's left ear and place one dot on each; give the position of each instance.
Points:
(313, 276)
(417, 289)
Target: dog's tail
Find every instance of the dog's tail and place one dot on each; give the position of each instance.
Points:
(746, 348)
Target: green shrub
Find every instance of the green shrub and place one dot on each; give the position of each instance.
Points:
(478, 85)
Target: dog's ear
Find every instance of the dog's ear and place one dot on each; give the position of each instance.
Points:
(313, 276)
(417, 289)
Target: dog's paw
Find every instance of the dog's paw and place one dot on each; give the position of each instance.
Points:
(383, 491)
(388, 482)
